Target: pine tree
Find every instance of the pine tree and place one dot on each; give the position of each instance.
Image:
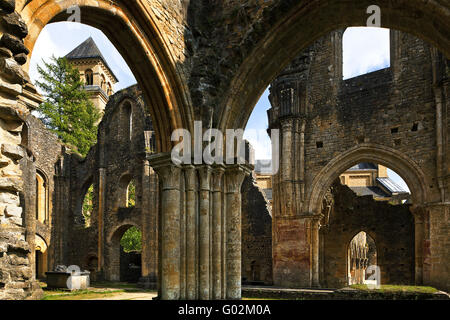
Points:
(67, 110)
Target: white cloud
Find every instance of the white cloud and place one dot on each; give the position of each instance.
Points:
(365, 50)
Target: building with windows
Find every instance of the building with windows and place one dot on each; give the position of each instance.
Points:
(95, 72)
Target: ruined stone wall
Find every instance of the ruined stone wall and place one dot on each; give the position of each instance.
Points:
(16, 275)
(256, 235)
(327, 123)
(44, 151)
(119, 152)
(390, 226)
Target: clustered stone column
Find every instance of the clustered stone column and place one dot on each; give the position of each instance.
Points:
(200, 230)
(295, 232)
(17, 95)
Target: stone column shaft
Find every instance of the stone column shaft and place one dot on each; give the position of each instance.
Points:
(204, 223)
(315, 251)
(146, 204)
(234, 178)
(101, 204)
(169, 175)
(217, 186)
(191, 234)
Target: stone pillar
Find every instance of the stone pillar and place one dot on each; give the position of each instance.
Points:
(437, 255)
(419, 237)
(149, 227)
(204, 232)
(217, 187)
(169, 177)
(199, 230)
(100, 222)
(315, 226)
(234, 178)
(191, 233)
(286, 168)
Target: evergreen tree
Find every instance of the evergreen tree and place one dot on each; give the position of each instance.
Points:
(67, 110)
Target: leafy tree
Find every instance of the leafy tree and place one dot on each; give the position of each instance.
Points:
(132, 240)
(131, 201)
(87, 205)
(67, 110)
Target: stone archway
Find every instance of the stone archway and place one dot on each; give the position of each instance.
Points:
(389, 157)
(416, 181)
(294, 26)
(147, 57)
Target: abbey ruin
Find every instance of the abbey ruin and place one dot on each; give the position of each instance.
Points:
(209, 229)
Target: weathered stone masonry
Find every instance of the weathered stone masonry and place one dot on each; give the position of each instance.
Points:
(211, 61)
(392, 117)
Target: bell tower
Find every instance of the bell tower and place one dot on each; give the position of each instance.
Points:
(95, 72)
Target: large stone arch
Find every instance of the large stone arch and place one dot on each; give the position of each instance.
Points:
(367, 152)
(141, 45)
(298, 23)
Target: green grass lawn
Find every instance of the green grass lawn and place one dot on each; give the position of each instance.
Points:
(101, 289)
(78, 295)
(396, 288)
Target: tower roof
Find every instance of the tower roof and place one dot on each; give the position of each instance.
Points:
(89, 50)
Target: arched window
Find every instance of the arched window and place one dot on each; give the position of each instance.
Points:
(365, 50)
(131, 194)
(89, 77)
(88, 207)
(41, 198)
(126, 196)
(362, 254)
(109, 90)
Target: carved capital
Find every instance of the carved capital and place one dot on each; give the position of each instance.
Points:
(189, 176)
(235, 177)
(168, 172)
(204, 173)
(217, 175)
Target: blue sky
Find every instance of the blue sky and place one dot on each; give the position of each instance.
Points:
(61, 37)
(365, 50)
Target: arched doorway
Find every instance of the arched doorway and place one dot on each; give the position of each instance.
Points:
(361, 254)
(124, 254)
(367, 223)
(41, 261)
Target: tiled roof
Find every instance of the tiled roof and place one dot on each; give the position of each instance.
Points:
(370, 191)
(391, 185)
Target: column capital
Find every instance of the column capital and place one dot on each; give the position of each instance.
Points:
(189, 176)
(217, 174)
(204, 172)
(235, 175)
(167, 170)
